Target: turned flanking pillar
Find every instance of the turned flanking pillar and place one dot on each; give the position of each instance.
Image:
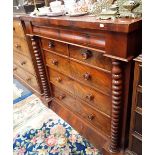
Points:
(40, 67)
(117, 87)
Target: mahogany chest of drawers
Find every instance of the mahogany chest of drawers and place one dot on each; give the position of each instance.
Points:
(85, 70)
(23, 65)
(135, 141)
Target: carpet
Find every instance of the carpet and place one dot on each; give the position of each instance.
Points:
(40, 131)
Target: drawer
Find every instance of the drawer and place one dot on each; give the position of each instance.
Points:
(136, 146)
(61, 81)
(92, 97)
(139, 99)
(24, 62)
(140, 75)
(91, 57)
(55, 46)
(138, 123)
(92, 116)
(27, 77)
(18, 29)
(56, 62)
(20, 45)
(92, 77)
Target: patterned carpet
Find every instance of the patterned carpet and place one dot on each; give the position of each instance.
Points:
(40, 131)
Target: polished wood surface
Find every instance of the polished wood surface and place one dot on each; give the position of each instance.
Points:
(85, 68)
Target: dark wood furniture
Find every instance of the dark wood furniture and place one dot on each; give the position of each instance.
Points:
(135, 141)
(24, 68)
(85, 70)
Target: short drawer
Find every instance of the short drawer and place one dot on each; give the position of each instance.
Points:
(136, 146)
(56, 62)
(61, 81)
(139, 99)
(27, 77)
(92, 77)
(101, 122)
(91, 57)
(24, 62)
(18, 29)
(20, 45)
(54, 46)
(140, 75)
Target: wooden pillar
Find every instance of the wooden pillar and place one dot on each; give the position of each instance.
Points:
(41, 69)
(117, 86)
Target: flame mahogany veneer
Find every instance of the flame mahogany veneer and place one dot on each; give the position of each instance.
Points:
(85, 68)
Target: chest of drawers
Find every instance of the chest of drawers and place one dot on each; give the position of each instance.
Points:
(23, 66)
(135, 138)
(85, 69)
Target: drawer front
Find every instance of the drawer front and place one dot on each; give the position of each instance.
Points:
(57, 62)
(20, 45)
(18, 29)
(61, 81)
(23, 62)
(90, 57)
(94, 98)
(92, 77)
(138, 123)
(95, 118)
(140, 75)
(27, 77)
(55, 46)
(136, 146)
(139, 99)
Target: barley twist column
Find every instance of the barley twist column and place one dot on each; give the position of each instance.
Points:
(41, 68)
(117, 86)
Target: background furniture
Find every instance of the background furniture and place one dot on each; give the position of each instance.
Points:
(23, 65)
(135, 141)
(85, 69)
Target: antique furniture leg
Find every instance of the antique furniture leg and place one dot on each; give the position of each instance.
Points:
(116, 104)
(41, 69)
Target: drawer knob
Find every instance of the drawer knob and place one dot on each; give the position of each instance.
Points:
(51, 44)
(62, 96)
(23, 63)
(17, 46)
(58, 79)
(15, 68)
(87, 54)
(91, 117)
(90, 97)
(87, 76)
(14, 29)
(28, 79)
(55, 62)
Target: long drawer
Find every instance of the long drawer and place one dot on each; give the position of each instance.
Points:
(20, 45)
(98, 120)
(24, 62)
(96, 99)
(27, 77)
(92, 77)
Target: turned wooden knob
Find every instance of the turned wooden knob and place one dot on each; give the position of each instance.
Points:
(23, 62)
(17, 45)
(87, 76)
(28, 79)
(15, 68)
(58, 79)
(14, 29)
(51, 44)
(87, 54)
(91, 117)
(55, 62)
(90, 97)
(62, 96)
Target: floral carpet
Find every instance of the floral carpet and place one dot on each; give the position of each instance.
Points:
(40, 131)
